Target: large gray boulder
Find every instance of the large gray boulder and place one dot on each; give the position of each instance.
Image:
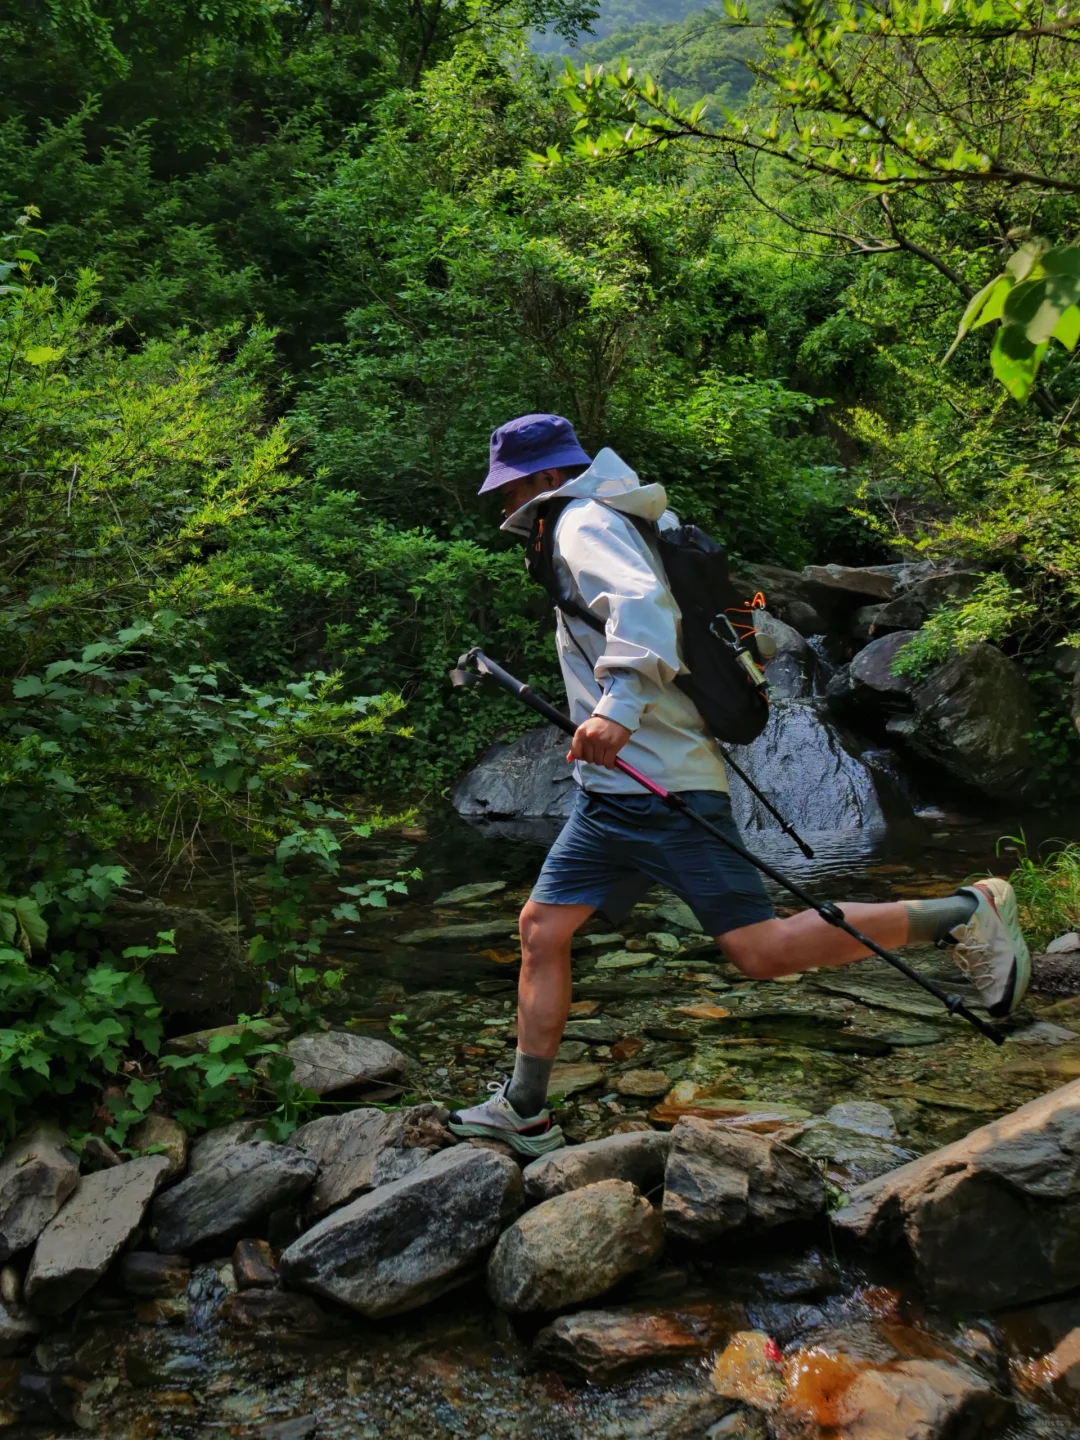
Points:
(330, 1060)
(874, 582)
(212, 1144)
(973, 716)
(363, 1149)
(994, 1218)
(78, 1246)
(527, 778)
(37, 1174)
(216, 1203)
(411, 1240)
(639, 1157)
(17, 1328)
(208, 980)
(574, 1247)
(720, 1179)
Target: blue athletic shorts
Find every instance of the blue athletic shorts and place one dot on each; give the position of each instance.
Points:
(613, 848)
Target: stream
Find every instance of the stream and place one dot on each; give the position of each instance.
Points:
(436, 973)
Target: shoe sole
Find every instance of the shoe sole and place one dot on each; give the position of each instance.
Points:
(533, 1145)
(1002, 897)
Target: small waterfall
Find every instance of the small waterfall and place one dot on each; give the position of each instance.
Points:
(801, 765)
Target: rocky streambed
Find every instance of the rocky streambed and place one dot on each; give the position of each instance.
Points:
(802, 1209)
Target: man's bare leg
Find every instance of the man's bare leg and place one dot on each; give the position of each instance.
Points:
(544, 986)
(805, 941)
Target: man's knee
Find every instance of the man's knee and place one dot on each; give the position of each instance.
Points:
(752, 949)
(544, 929)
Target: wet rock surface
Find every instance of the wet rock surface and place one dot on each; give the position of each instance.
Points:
(574, 1247)
(411, 1240)
(600, 1344)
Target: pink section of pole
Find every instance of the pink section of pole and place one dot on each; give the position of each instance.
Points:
(650, 785)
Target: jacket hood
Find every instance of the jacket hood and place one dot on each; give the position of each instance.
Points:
(609, 480)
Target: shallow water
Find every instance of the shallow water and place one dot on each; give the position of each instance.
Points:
(457, 1369)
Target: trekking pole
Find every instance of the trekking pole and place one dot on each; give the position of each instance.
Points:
(785, 825)
(474, 667)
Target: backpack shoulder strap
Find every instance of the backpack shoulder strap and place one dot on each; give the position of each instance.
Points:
(540, 563)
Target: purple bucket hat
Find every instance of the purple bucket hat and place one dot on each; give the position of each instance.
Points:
(530, 443)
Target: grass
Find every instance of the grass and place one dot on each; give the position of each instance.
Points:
(1047, 890)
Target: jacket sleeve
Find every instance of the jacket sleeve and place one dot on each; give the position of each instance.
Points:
(612, 569)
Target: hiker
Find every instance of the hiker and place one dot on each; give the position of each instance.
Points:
(617, 841)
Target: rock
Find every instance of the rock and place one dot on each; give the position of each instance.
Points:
(1064, 944)
(873, 580)
(638, 1157)
(528, 777)
(222, 1199)
(253, 1265)
(98, 1154)
(790, 674)
(478, 890)
(210, 1147)
(642, 1083)
(866, 1117)
(10, 1285)
(17, 1329)
(333, 1060)
(911, 609)
(208, 979)
(270, 1310)
(921, 1400)
(1057, 974)
(37, 1174)
(1042, 1032)
(574, 1247)
(411, 1240)
(863, 622)
(760, 1116)
(569, 1079)
(570, 1052)
(601, 1344)
(465, 934)
(152, 1276)
(300, 1427)
(720, 1179)
(858, 1156)
(167, 1137)
(594, 1032)
(81, 1242)
(362, 1149)
(676, 912)
(749, 1370)
(625, 960)
(871, 670)
(199, 1042)
(994, 1218)
(800, 759)
(973, 716)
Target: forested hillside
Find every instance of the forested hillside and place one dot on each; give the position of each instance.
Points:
(272, 272)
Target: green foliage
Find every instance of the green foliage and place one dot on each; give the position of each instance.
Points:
(1047, 889)
(994, 611)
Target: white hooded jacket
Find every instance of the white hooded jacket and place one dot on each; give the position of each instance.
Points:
(627, 674)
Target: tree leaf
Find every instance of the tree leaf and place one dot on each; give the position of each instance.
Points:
(41, 354)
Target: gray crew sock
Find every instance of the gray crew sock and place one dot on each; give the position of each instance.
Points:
(931, 920)
(528, 1087)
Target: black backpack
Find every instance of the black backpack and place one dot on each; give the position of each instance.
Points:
(719, 647)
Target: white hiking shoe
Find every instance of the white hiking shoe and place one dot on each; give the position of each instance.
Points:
(496, 1119)
(991, 949)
